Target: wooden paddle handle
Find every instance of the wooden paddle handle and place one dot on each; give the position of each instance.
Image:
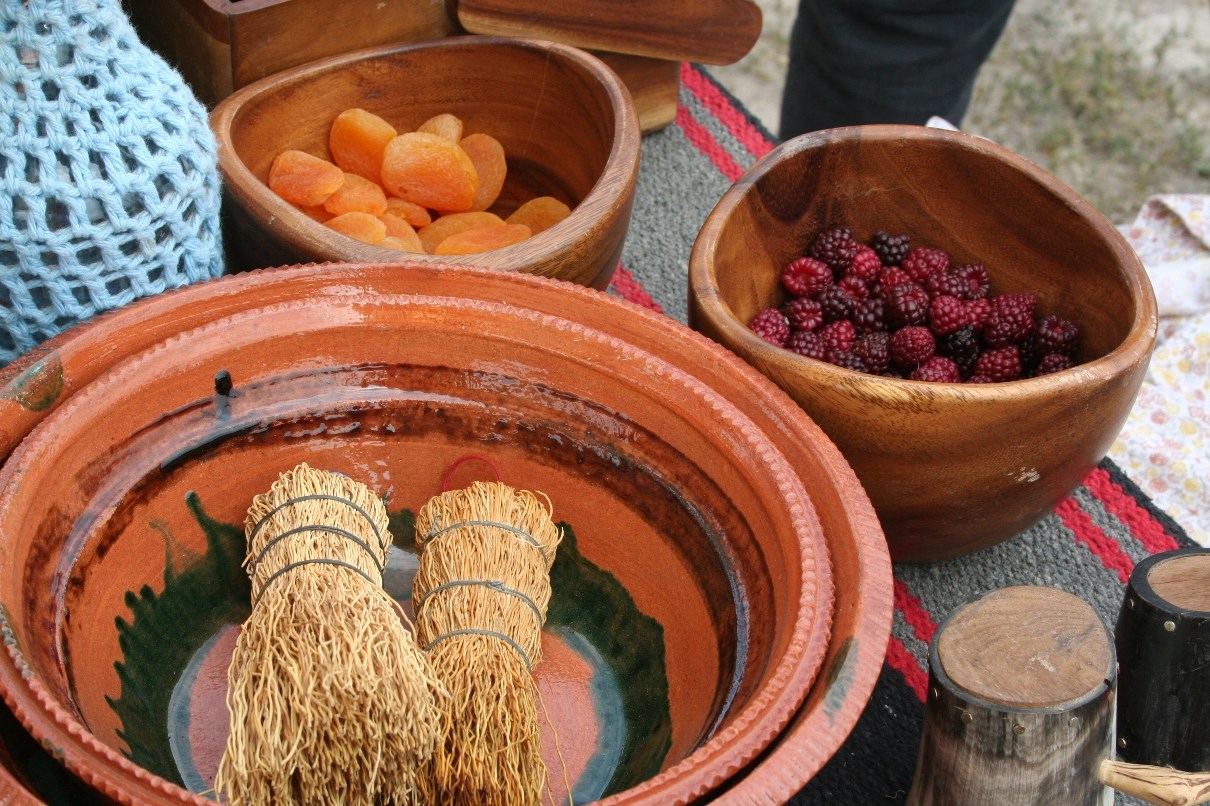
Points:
(1158, 785)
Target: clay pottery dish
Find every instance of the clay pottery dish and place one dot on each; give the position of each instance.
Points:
(693, 534)
(567, 125)
(950, 468)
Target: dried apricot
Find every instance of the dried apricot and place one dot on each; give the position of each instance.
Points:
(451, 224)
(540, 213)
(487, 155)
(410, 212)
(362, 226)
(444, 125)
(356, 140)
(403, 243)
(302, 179)
(357, 194)
(430, 171)
(317, 213)
(482, 239)
(397, 226)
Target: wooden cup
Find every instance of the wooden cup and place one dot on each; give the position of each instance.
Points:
(1021, 710)
(1163, 643)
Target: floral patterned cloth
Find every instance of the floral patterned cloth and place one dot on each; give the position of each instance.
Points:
(1165, 445)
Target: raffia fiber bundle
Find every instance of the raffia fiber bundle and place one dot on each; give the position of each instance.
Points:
(331, 701)
(480, 596)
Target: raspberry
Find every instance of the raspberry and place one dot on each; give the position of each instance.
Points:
(911, 346)
(1053, 362)
(922, 262)
(980, 379)
(937, 369)
(854, 286)
(974, 275)
(807, 344)
(875, 351)
(961, 347)
(838, 336)
(1000, 364)
(1055, 334)
(890, 277)
(806, 277)
(946, 284)
(836, 247)
(771, 325)
(848, 360)
(906, 305)
(891, 249)
(836, 303)
(947, 314)
(1011, 319)
(803, 313)
(869, 315)
(866, 265)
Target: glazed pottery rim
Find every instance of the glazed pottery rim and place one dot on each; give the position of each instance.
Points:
(1136, 346)
(802, 659)
(616, 180)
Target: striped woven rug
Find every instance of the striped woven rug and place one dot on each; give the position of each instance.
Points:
(1087, 546)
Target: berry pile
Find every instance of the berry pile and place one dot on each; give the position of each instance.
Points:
(888, 308)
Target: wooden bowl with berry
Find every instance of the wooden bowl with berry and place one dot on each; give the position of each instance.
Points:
(969, 331)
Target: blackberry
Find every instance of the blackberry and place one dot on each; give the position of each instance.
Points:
(947, 314)
(923, 262)
(803, 313)
(806, 277)
(807, 344)
(906, 305)
(976, 279)
(1055, 334)
(911, 346)
(854, 286)
(836, 247)
(771, 325)
(1011, 320)
(891, 249)
(937, 369)
(874, 349)
(866, 265)
(869, 315)
(847, 359)
(838, 336)
(1000, 364)
(890, 277)
(961, 347)
(1053, 362)
(836, 303)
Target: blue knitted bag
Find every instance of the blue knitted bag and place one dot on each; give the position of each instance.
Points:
(109, 188)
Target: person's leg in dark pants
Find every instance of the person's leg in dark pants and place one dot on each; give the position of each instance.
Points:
(886, 61)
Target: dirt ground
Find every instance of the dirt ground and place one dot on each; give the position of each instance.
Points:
(1113, 98)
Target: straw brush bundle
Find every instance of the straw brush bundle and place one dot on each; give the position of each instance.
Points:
(480, 597)
(331, 700)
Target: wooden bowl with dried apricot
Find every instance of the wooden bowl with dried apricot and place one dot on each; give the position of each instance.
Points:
(512, 154)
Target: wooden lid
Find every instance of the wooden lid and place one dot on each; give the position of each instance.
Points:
(1182, 581)
(1026, 647)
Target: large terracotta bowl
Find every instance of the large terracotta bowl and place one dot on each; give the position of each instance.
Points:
(692, 530)
(950, 468)
(567, 124)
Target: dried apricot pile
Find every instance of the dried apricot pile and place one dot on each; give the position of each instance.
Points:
(427, 191)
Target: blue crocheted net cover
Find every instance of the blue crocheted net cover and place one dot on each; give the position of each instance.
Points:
(108, 183)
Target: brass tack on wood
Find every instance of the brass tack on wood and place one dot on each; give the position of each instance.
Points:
(967, 716)
(1018, 729)
(1130, 604)
(1122, 742)
(1170, 626)
(936, 693)
(1074, 722)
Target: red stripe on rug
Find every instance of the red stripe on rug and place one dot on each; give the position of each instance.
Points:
(629, 288)
(905, 663)
(914, 613)
(1123, 506)
(1104, 548)
(701, 139)
(710, 96)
